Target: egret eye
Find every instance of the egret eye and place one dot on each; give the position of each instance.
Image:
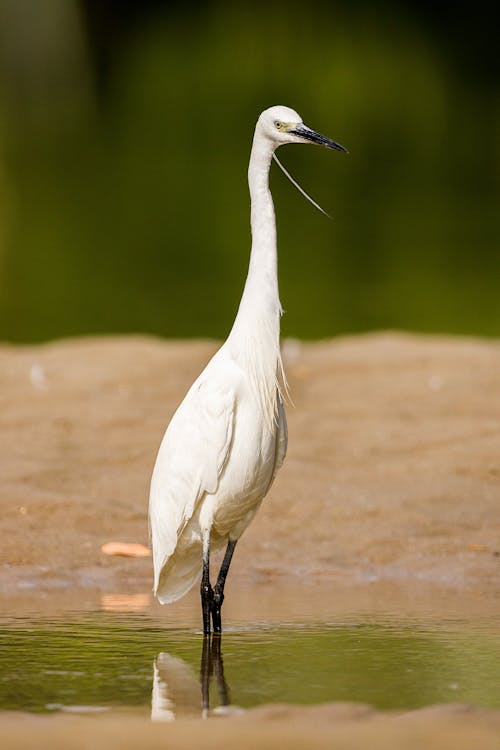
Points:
(278, 124)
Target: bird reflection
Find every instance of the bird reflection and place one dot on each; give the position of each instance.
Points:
(176, 691)
(212, 665)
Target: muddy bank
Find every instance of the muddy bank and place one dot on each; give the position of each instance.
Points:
(343, 726)
(392, 476)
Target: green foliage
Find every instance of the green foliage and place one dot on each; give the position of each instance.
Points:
(134, 216)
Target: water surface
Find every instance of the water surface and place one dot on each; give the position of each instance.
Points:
(102, 660)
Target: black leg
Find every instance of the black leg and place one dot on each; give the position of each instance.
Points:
(206, 591)
(218, 590)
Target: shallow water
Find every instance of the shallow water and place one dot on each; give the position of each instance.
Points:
(97, 660)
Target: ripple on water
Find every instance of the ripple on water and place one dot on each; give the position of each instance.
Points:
(95, 662)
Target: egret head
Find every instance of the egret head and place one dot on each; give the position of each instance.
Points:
(283, 125)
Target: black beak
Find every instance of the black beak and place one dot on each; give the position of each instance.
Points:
(310, 135)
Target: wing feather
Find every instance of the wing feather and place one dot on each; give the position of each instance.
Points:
(281, 439)
(190, 461)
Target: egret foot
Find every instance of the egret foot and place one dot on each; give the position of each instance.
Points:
(207, 599)
(218, 598)
(218, 592)
(206, 590)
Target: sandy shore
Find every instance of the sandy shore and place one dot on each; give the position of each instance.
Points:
(340, 726)
(388, 503)
(392, 473)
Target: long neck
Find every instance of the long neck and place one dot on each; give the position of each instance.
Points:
(255, 337)
(260, 300)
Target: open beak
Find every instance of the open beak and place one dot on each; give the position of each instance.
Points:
(302, 131)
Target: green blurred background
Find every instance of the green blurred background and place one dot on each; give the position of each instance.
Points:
(125, 130)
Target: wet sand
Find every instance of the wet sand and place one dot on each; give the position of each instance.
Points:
(341, 726)
(388, 503)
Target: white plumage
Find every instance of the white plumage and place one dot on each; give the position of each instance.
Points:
(228, 438)
(215, 464)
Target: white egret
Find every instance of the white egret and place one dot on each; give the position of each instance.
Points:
(228, 438)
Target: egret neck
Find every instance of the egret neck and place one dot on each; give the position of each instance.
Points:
(254, 338)
(263, 269)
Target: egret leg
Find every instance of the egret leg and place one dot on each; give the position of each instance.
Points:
(218, 591)
(206, 590)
